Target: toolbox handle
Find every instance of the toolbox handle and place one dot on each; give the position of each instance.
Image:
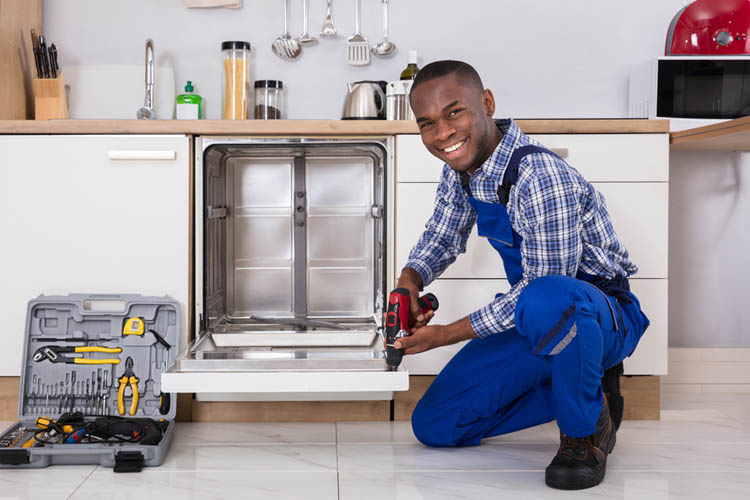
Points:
(104, 303)
(138, 154)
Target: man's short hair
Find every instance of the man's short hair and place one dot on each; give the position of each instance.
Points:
(464, 72)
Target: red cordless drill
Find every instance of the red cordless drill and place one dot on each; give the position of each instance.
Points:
(398, 320)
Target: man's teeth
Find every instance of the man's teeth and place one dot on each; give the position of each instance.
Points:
(454, 147)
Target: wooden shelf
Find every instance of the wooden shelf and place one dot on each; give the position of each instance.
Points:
(733, 135)
(328, 128)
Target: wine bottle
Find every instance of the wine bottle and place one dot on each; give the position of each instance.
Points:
(411, 69)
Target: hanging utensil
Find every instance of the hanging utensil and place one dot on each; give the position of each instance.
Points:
(329, 29)
(357, 48)
(285, 46)
(306, 38)
(385, 47)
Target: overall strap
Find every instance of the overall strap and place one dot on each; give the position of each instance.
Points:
(511, 171)
(466, 183)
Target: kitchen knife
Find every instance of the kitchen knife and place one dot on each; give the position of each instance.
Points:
(37, 54)
(34, 39)
(38, 62)
(53, 60)
(45, 56)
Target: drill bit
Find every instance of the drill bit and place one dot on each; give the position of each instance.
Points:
(105, 409)
(72, 391)
(100, 408)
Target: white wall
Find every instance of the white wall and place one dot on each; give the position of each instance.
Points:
(542, 59)
(709, 244)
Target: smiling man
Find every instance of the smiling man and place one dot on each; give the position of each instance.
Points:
(538, 352)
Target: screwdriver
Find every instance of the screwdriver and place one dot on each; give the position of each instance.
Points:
(46, 423)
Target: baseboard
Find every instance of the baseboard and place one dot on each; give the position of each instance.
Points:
(642, 402)
(708, 369)
(642, 397)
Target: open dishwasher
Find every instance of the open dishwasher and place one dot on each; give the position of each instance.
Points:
(293, 266)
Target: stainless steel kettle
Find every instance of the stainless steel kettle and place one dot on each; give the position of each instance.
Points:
(364, 100)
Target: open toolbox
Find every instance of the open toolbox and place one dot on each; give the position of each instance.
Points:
(90, 390)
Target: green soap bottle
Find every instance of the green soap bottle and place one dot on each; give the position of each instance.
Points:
(189, 104)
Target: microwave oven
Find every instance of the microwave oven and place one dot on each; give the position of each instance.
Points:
(696, 90)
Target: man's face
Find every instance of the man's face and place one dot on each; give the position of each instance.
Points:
(455, 121)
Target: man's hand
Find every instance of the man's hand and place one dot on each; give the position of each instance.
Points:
(411, 280)
(421, 339)
(432, 336)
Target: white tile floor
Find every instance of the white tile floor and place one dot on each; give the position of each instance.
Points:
(699, 450)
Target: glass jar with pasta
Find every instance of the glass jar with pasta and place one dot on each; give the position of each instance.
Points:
(235, 79)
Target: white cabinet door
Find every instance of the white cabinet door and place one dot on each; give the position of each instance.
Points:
(650, 357)
(613, 157)
(459, 298)
(629, 205)
(90, 214)
(599, 157)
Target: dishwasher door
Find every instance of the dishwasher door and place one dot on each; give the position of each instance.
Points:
(293, 263)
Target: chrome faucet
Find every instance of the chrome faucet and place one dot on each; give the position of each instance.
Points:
(147, 112)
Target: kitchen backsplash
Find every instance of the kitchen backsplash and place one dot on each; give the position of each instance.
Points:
(541, 58)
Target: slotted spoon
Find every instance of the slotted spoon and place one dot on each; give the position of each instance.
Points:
(285, 46)
(357, 48)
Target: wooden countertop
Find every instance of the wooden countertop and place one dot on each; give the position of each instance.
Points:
(732, 135)
(310, 127)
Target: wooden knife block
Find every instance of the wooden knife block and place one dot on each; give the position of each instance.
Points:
(49, 98)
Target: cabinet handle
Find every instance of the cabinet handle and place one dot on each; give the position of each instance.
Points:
(129, 154)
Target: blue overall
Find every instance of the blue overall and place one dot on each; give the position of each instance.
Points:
(567, 332)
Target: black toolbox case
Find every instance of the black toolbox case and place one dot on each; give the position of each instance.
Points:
(125, 325)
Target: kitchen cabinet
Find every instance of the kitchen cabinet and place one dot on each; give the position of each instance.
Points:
(98, 214)
(630, 170)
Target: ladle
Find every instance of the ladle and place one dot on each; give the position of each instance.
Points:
(385, 47)
(306, 38)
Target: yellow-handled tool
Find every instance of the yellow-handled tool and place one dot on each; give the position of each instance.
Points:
(46, 423)
(30, 442)
(54, 354)
(127, 378)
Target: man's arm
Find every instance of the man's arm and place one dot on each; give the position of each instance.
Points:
(547, 213)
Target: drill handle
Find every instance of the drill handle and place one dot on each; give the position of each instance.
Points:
(398, 315)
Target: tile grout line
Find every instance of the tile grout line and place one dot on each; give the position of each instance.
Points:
(338, 477)
(81, 483)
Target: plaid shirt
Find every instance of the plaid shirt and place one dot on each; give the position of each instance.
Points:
(562, 219)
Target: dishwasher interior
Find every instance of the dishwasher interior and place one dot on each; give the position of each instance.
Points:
(291, 256)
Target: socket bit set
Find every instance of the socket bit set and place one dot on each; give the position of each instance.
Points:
(87, 396)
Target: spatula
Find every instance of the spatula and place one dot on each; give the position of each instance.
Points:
(357, 48)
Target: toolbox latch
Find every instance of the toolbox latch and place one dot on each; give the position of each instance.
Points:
(129, 461)
(14, 457)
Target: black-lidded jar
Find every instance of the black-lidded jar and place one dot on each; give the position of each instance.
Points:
(235, 79)
(269, 100)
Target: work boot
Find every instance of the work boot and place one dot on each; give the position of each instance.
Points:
(611, 388)
(582, 462)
